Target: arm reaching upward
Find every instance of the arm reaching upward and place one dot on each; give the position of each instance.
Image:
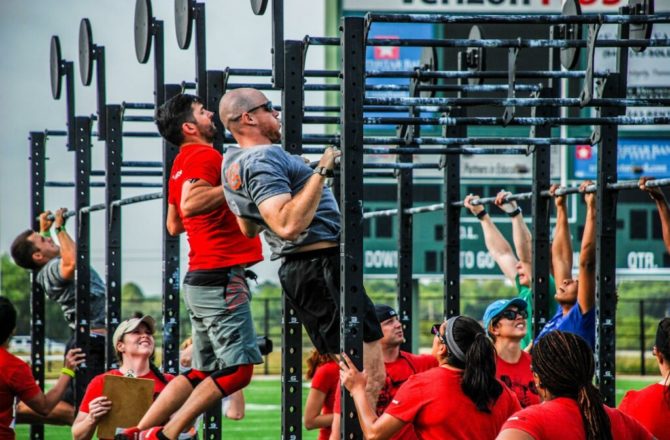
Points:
(663, 209)
(561, 248)
(496, 244)
(520, 233)
(586, 291)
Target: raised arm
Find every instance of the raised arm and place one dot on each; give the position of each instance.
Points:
(586, 291)
(663, 209)
(520, 233)
(68, 248)
(289, 216)
(496, 244)
(561, 247)
(199, 197)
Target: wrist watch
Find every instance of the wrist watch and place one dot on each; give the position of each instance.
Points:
(323, 171)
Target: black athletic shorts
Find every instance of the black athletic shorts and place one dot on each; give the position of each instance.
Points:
(311, 283)
(95, 363)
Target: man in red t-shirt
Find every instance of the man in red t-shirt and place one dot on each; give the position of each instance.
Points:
(215, 290)
(399, 364)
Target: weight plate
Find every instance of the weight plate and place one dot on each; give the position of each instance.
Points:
(85, 52)
(428, 63)
(143, 23)
(183, 20)
(259, 6)
(476, 56)
(56, 61)
(570, 55)
(641, 31)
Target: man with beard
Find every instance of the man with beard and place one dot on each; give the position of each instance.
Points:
(215, 290)
(272, 191)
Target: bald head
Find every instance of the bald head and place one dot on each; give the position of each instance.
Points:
(236, 102)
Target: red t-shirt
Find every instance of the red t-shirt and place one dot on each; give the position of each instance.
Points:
(215, 238)
(560, 419)
(326, 379)
(16, 380)
(519, 378)
(434, 402)
(95, 386)
(649, 407)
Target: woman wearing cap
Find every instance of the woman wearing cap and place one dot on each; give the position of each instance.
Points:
(134, 343)
(651, 405)
(461, 399)
(505, 322)
(573, 408)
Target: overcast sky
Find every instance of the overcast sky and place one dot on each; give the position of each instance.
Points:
(235, 37)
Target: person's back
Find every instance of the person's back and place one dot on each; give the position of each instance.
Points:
(434, 402)
(561, 419)
(16, 381)
(651, 408)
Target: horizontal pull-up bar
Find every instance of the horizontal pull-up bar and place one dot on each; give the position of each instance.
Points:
(114, 204)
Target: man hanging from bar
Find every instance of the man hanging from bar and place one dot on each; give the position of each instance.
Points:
(215, 289)
(657, 196)
(517, 267)
(272, 191)
(55, 265)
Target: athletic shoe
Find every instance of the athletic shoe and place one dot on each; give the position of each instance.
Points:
(127, 433)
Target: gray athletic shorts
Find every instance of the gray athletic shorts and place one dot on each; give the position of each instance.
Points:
(223, 330)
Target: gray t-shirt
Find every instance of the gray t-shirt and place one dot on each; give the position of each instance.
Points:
(62, 291)
(252, 175)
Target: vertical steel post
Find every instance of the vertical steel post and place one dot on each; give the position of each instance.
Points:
(170, 262)
(405, 241)
(101, 91)
(278, 43)
(201, 51)
(291, 360)
(351, 204)
(82, 157)
(37, 177)
(451, 164)
(113, 158)
(68, 66)
(212, 96)
(159, 62)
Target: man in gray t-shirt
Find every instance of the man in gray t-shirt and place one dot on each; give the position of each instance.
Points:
(278, 194)
(55, 266)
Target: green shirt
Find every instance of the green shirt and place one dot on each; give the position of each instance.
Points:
(526, 294)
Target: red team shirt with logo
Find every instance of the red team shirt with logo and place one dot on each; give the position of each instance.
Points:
(519, 378)
(560, 419)
(650, 407)
(16, 380)
(326, 379)
(434, 402)
(214, 238)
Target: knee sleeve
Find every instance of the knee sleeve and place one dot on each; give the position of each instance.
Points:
(231, 379)
(196, 376)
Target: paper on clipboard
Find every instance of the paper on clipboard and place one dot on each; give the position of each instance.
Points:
(131, 398)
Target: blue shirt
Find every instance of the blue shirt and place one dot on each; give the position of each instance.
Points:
(253, 175)
(575, 322)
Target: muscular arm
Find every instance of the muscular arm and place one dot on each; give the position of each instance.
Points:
(499, 248)
(522, 239)
(173, 222)
(248, 227)
(199, 197)
(313, 418)
(289, 216)
(586, 291)
(561, 248)
(68, 254)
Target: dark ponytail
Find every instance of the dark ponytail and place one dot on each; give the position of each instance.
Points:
(479, 364)
(565, 365)
(154, 369)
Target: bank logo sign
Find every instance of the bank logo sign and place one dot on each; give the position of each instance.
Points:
(480, 6)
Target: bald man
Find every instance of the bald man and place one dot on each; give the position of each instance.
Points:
(277, 193)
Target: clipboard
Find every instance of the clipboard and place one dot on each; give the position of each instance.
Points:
(131, 399)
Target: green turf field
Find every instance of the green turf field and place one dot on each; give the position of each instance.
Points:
(263, 411)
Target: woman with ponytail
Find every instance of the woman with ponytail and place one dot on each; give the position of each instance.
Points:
(323, 371)
(573, 408)
(651, 406)
(134, 343)
(460, 400)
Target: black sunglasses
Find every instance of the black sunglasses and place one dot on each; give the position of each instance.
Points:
(512, 314)
(267, 106)
(435, 330)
